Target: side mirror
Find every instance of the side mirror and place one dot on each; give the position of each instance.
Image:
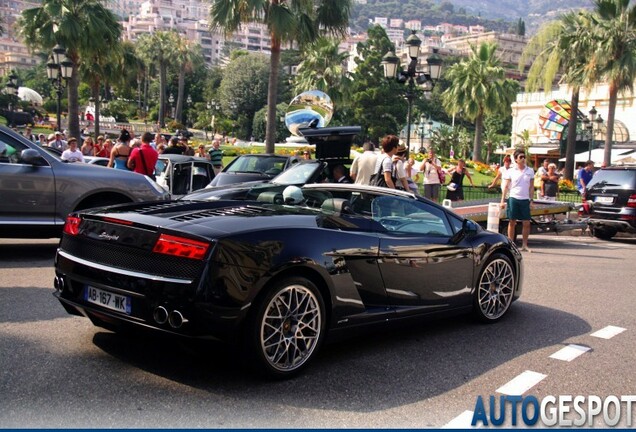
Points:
(32, 157)
(468, 229)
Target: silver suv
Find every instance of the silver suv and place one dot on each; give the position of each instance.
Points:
(38, 189)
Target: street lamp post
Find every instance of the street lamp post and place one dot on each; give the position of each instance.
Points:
(411, 76)
(59, 70)
(588, 123)
(12, 91)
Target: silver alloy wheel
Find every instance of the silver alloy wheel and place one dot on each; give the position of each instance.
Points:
(290, 328)
(496, 287)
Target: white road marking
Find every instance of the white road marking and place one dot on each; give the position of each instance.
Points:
(462, 421)
(570, 352)
(608, 332)
(522, 383)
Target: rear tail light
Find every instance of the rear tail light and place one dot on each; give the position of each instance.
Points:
(631, 201)
(72, 224)
(181, 247)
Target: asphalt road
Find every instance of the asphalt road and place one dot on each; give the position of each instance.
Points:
(60, 371)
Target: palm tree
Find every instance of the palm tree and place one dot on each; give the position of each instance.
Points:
(479, 87)
(83, 27)
(615, 56)
(323, 68)
(562, 47)
(287, 21)
(186, 56)
(158, 49)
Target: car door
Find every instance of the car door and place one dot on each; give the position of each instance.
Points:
(423, 269)
(27, 192)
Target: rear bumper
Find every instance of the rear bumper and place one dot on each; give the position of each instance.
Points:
(619, 225)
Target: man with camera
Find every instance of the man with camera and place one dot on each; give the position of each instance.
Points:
(433, 175)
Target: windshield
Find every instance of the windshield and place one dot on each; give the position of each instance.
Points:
(271, 165)
(298, 174)
(624, 179)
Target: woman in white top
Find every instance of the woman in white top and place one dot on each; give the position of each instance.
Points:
(500, 172)
(398, 164)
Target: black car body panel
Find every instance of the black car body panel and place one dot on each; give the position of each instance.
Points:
(366, 272)
(611, 201)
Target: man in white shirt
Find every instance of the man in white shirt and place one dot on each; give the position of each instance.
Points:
(362, 167)
(519, 180)
(72, 153)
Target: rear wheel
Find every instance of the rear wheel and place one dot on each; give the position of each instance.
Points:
(288, 328)
(495, 289)
(604, 233)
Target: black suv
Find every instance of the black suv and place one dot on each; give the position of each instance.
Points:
(611, 201)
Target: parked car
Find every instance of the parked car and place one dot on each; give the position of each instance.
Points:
(253, 167)
(611, 201)
(96, 160)
(280, 278)
(333, 147)
(180, 174)
(38, 189)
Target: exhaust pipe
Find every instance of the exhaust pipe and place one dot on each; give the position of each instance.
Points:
(160, 315)
(176, 319)
(59, 284)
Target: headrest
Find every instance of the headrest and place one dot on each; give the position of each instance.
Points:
(336, 205)
(270, 197)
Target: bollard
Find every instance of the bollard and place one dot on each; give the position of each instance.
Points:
(447, 203)
(493, 217)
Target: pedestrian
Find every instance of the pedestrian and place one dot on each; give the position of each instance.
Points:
(143, 159)
(120, 153)
(306, 155)
(173, 147)
(431, 166)
(539, 175)
(500, 172)
(384, 175)
(412, 175)
(456, 185)
(58, 142)
(519, 182)
(363, 166)
(550, 184)
(585, 175)
(72, 153)
(201, 152)
(216, 156)
(88, 147)
(399, 169)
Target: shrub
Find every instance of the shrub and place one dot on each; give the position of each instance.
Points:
(566, 186)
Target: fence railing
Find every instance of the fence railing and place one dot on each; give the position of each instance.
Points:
(485, 193)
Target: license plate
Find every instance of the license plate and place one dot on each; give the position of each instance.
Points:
(107, 299)
(604, 200)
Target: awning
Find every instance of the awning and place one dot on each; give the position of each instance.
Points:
(544, 151)
(598, 154)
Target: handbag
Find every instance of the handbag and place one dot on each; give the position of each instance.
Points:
(377, 179)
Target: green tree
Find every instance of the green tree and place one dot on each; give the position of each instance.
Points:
(83, 27)
(478, 88)
(243, 89)
(562, 47)
(376, 104)
(158, 51)
(615, 55)
(323, 68)
(287, 21)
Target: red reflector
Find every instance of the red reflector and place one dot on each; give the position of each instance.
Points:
(181, 246)
(72, 224)
(117, 221)
(631, 201)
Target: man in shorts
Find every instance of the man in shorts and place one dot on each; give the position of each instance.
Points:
(519, 180)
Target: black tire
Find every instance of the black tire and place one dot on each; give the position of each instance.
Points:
(495, 289)
(604, 233)
(287, 328)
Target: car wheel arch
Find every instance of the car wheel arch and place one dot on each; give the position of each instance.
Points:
(101, 199)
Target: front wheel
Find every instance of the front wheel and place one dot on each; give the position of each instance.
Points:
(605, 233)
(288, 328)
(495, 289)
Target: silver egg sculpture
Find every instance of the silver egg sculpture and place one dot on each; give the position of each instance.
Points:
(313, 107)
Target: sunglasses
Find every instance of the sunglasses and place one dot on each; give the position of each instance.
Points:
(521, 157)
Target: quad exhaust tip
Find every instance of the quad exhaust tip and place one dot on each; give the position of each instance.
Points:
(160, 315)
(176, 319)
